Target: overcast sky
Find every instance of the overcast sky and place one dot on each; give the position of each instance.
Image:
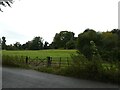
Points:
(29, 18)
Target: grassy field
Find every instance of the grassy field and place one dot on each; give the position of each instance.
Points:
(63, 64)
(40, 53)
(57, 56)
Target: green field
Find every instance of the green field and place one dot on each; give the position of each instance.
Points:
(36, 56)
(62, 64)
(40, 53)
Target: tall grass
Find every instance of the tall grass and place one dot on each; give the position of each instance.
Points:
(13, 61)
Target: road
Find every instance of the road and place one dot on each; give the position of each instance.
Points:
(22, 78)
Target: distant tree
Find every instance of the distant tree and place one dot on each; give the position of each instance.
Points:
(3, 43)
(52, 46)
(56, 42)
(27, 45)
(10, 47)
(17, 46)
(36, 43)
(23, 46)
(62, 38)
(46, 45)
(71, 44)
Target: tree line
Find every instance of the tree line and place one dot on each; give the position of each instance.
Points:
(107, 43)
(62, 40)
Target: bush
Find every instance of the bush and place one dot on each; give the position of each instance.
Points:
(93, 69)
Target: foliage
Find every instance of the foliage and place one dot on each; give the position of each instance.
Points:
(36, 44)
(6, 3)
(13, 61)
(71, 44)
(95, 53)
(80, 67)
(107, 43)
(84, 39)
(3, 43)
(62, 38)
(96, 69)
(46, 45)
(110, 46)
(17, 46)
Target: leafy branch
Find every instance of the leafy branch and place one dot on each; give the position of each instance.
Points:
(5, 3)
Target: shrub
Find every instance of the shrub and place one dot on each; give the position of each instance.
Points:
(94, 69)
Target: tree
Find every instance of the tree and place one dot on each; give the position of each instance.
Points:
(10, 47)
(62, 38)
(6, 3)
(109, 41)
(36, 43)
(109, 46)
(46, 45)
(83, 43)
(17, 46)
(71, 44)
(117, 31)
(3, 43)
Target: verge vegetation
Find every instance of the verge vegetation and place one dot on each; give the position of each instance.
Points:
(96, 55)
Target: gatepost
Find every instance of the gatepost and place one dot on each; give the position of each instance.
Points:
(49, 61)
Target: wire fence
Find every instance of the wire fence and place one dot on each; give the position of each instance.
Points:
(46, 62)
(49, 61)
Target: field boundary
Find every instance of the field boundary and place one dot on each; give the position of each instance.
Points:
(34, 62)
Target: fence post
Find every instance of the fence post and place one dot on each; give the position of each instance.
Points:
(48, 61)
(67, 61)
(43, 62)
(60, 62)
(26, 59)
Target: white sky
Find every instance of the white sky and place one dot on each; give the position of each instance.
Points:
(29, 18)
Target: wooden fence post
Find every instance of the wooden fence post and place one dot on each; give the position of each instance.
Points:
(48, 61)
(43, 62)
(60, 62)
(67, 61)
(26, 59)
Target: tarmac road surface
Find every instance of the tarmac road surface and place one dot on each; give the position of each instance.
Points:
(22, 78)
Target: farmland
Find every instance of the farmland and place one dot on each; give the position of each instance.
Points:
(40, 53)
(62, 64)
(37, 56)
